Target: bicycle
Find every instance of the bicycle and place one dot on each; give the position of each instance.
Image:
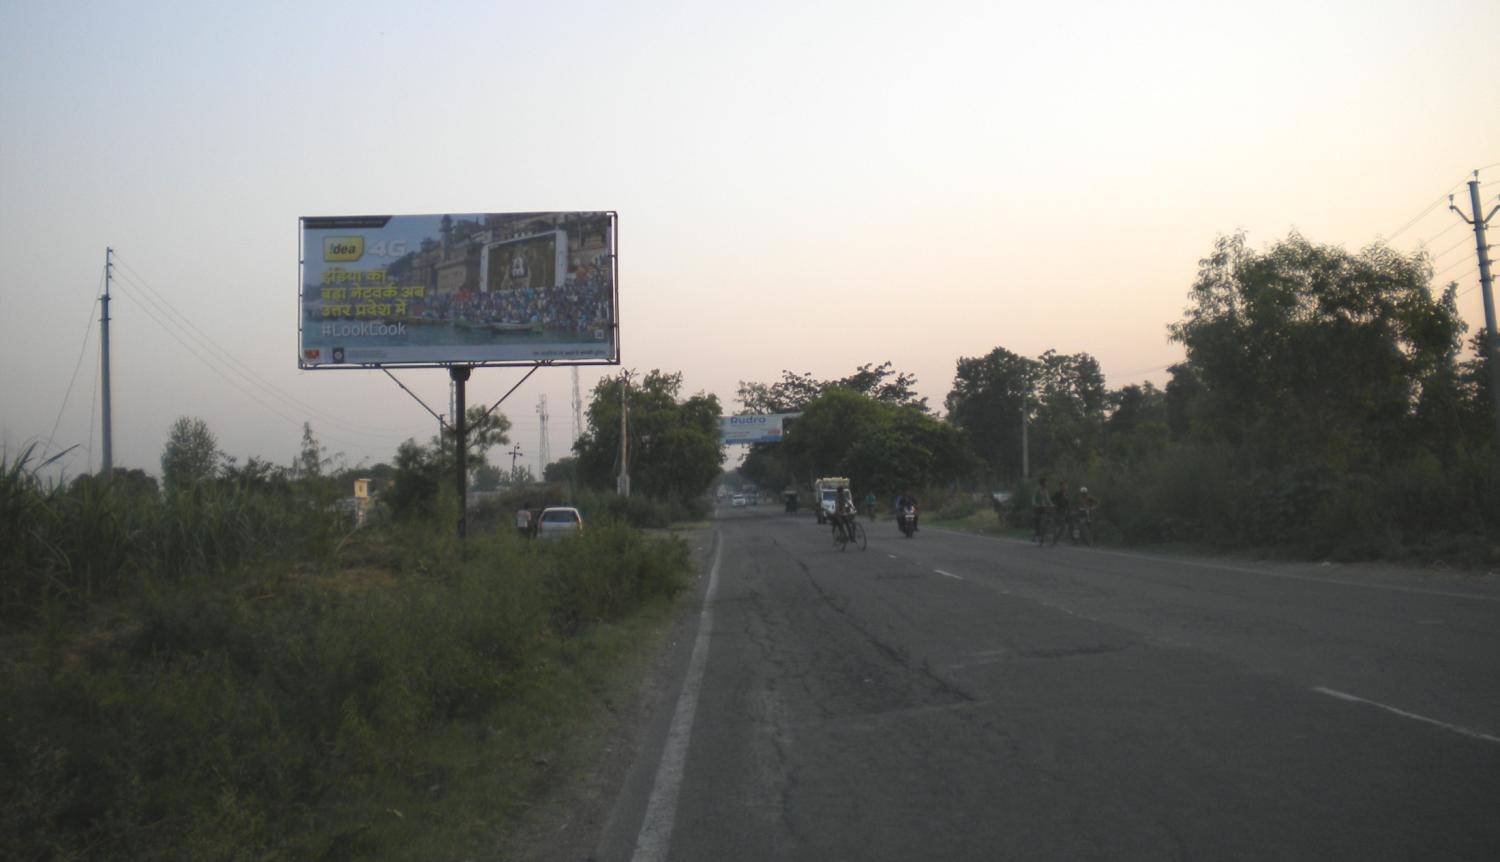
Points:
(1083, 524)
(1044, 522)
(847, 532)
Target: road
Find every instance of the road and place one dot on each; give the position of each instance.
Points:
(966, 697)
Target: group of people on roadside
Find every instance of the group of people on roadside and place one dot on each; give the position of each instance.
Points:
(1060, 509)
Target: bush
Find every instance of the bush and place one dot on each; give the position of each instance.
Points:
(251, 710)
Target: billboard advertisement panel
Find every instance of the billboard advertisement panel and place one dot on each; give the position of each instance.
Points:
(752, 429)
(491, 288)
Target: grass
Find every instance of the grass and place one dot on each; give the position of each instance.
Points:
(385, 697)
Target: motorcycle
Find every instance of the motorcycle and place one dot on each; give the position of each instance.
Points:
(908, 521)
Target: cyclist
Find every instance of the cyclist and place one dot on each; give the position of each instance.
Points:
(1040, 503)
(843, 510)
(1085, 515)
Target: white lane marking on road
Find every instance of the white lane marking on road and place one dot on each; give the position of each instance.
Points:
(892, 556)
(1342, 695)
(655, 838)
(1242, 570)
(948, 574)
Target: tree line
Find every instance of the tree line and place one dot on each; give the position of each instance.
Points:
(1326, 404)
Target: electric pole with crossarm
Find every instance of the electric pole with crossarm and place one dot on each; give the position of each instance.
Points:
(1491, 340)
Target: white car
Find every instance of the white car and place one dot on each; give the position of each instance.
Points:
(558, 521)
(737, 500)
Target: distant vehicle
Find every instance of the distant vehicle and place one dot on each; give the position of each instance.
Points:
(559, 521)
(826, 496)
(737, 500)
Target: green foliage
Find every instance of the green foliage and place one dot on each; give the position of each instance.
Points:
(882, 447)
(1310, 353)
(988, 395)
(191, 454)
(414, 488)
(674, 451)
(260, 713)
(66, 548)
(1063, 393)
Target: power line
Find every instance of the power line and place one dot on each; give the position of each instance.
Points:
(1458, 262)
(145, 307)
(1444, 232)
(88, 331)
(1462, 241)
(210, 355)
(245, 370)
(1441, 199)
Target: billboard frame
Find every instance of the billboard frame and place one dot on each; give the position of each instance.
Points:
(614, 324)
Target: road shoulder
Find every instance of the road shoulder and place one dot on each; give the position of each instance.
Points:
(592, 808)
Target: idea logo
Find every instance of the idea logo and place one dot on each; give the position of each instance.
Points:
(343, 248)
(312, 354)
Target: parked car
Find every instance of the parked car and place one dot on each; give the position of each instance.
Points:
(557, 521)
(738, 500)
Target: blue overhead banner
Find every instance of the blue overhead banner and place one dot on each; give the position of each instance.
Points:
(753, 429)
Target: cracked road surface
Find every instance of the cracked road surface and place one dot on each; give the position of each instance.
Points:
(963, 697)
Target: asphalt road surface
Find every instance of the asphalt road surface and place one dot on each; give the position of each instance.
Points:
(964, 697)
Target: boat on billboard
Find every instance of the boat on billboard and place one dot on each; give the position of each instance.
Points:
(487, 288)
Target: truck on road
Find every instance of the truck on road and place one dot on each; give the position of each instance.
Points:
(826, 496)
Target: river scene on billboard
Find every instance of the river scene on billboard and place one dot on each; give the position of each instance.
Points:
(490, 287)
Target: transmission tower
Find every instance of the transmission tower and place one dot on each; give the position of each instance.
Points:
(544, 449)
(577, 408)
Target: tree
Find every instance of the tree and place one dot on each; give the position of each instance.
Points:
(1138, 424)
(674, 446)
(1063, 392)
(418, 475)
(487, 477)
(564, 470)
(191, 454)
(1070, 401)
(795, 391)
(1310, 353)
(310, 460)
(882, 447)
(768, 464)
(989, 392)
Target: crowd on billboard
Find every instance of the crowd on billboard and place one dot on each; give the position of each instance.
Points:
(580, 305)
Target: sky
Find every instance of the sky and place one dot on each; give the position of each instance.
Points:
(807, 186)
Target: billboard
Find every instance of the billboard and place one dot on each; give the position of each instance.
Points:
(487, 288)
(752, 429)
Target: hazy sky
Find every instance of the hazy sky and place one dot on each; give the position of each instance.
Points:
(807, 185)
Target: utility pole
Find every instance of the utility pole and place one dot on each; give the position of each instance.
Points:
(107, 466)
(544, 451)
(1491, 340)
(577, 408)
(515, 452)
(459, 374)
(1025, 447)
(622, 485)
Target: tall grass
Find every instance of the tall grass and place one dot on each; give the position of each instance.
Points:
(256, 694)
(70, 545)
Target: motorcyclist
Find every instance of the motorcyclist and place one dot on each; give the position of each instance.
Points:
(909, 501)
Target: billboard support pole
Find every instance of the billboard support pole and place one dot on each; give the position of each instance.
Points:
(460, 375)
